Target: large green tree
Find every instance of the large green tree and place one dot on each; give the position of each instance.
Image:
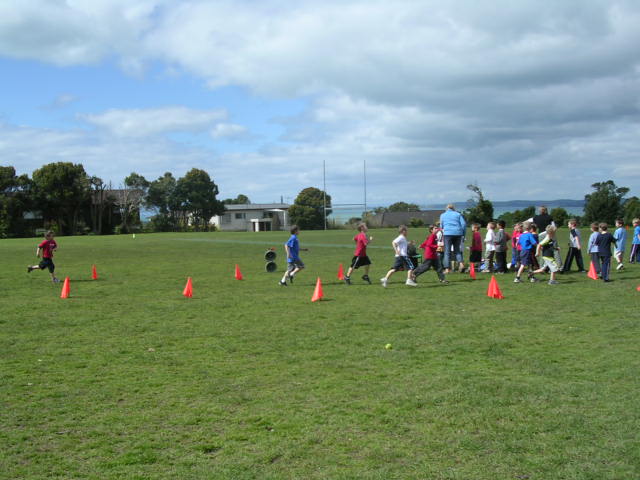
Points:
(15, 200)
(605, 204)
(560, 216)
(239, 200)
(631, 209)
(195, 196)
(62, 190)
(308, 209)
(160, 199)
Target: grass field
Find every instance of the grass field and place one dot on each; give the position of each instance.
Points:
(127, 379)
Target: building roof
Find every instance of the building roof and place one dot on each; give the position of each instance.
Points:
(257, 206)
(394, 219)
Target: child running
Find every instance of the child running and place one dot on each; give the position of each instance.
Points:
(430, 246)
(527, 243)
(620, 236)
(548, 247)
(402, 260)
(360, 258)
(294, 263)
(45, 251)
(515, 247)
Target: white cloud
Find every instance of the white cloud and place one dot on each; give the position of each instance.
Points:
(145, 122)
(229, 131)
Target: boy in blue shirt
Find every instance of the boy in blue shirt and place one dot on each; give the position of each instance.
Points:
(294, 263)
(635, 243)
(620, 236)
(592, 248)
(527, 242)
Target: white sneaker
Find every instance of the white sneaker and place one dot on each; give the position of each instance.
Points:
(620, 267)
(411, 283)
(383, 281)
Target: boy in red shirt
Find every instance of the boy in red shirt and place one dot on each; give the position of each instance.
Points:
(515, 246)
(45, 251)
(431, 258)
(475, 255)
(360, 258)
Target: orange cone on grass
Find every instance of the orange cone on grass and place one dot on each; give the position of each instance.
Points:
(494, 290)
(317, 293)
(188, 289)
(638, 289)
(592, 272)
(472, 271)
(238, 273)
(340, 273)
(66, 288)
(94, 273)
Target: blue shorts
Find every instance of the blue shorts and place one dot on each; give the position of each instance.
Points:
(526, 257)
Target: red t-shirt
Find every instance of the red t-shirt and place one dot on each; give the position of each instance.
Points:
(476, 242)
(430, 247)
(361, 245)
(47, 247)
(515, 236)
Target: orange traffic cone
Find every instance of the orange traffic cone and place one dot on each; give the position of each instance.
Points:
(188, 289)
(317, 293)
(66, 288)
(638, 289)
(494, 290)
(472, 271)
(94, 273)
(238, 273)
(592, 272)
(340, 273)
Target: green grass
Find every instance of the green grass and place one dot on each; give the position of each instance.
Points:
(128, 379)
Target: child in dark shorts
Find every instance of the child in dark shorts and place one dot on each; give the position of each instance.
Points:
(528, 242)
(360, 258)
(45, 251)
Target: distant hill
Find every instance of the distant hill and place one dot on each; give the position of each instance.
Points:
(520, 204)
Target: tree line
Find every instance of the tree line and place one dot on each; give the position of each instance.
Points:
(63, 197)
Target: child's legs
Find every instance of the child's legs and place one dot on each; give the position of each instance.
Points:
(595, 259)
(366, 270)
(501, 259)
(389, 273)
(568, 260)
(489, 262)
(578, 254)
(619, 255)
(605, 262)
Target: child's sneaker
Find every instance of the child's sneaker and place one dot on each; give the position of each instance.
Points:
(620, 267)
(55, 280)
(553, 282)
(29, 269)
(282, 283)
(533, 280)
(444, 282)
(290, 277)
(383, 281)
(366, 279)
(517, 280)
(410, 283)
(347, 280)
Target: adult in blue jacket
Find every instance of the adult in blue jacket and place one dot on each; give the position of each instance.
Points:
(453, 226)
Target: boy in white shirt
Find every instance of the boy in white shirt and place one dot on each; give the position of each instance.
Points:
(490, 247)
(402, 260)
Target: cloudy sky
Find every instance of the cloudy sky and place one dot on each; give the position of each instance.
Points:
(529, 99)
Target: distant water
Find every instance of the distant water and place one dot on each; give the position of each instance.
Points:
(343, 216)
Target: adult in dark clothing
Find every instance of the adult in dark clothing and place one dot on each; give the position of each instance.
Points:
(543, 219)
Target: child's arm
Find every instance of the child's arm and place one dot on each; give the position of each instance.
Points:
(286, 248)
(395, 247)
(38, 251)
(578, 245)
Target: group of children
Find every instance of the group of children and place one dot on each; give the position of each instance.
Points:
(526, 246)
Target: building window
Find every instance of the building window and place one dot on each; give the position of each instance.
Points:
(226, 218)
(241, 216)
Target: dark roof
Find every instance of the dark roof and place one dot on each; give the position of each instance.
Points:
(394, 219)
(257, 206)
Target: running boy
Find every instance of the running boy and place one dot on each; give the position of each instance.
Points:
(430, 246)
(294, 263)
(360, 258)
(45, 251)
(548, 247)
(604, 241)
(527, 242)
(620, 236)
(402, 260)
(575, 248)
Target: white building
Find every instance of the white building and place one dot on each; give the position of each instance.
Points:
(253, 217)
